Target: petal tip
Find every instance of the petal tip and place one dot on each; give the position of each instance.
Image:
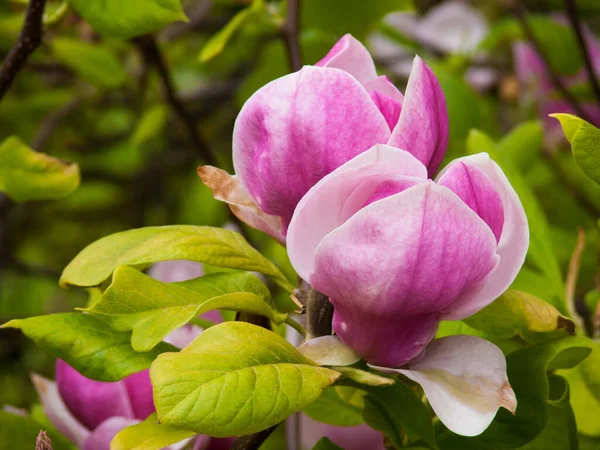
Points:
(508, 399)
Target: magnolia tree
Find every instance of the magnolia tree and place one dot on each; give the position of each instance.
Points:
(386, 275)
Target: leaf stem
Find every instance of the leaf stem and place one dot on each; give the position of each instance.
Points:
(289, 34)
(295, 325)
(571, 281)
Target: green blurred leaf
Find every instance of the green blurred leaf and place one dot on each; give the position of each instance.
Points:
(234, 379)
(94, 62)
(517, 313)
(28, 175)
(585, 143)
(143, 246)
(20, 432)
(523, 145)
(130, 18)
(338, 405)
(326, 444)
(148, 435)
(150, 125)
(152, 309)
(86, 343)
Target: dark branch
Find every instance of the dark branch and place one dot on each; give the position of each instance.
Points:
(571, 7)
(252, 441)
(554, 76)
(51, 122)
(154, 58)
(319, 314)
(28, 41)
(289, 33)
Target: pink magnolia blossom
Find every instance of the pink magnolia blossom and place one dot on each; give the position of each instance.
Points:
(397, 253)
(299, 128)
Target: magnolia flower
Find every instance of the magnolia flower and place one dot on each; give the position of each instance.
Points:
(298, 128)
(397, 253)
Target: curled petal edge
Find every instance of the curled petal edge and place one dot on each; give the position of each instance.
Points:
(328, 351)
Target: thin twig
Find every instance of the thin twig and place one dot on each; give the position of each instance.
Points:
(289, 34)
(252, 441)
(295, 325)
(521, 13)
(51, 122)
(571, 7)
(571, 281)
(153, 57)
(28, 41)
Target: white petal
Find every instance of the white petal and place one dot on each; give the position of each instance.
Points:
(464, 379)
(328, 351)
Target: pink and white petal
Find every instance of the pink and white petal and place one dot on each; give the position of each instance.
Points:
(139, 389)
(297, 129)
(464, 379)
(385, 257)
(422, 129)
(57, 411)
(227, 188)
(385, 86)
(389, 107)
(328, 351)
(337, 196)
(89, 400)
(476, 189)
(183, 336)
(350, 55)
(512, 246)
(100, 438)
(359, 437)
(530, 69)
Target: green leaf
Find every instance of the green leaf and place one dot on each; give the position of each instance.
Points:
(517, 313)
(235, 379)
(217, 43)
(94, 62)
(326, 444)
(87, 344)
(363, 376)
(20, 432)
(341, 406)
(152, 309)
(585, 143)
(28, 175)
(125, 19)
(150, 125)
(527, 370)
(148, 435)
(397, 407)
(144, 246)
(523, 145)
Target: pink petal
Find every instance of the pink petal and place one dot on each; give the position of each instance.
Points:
(359, 437)
(297, 129)
(100, 438)
(139, 389)
(176, 270)
(389, 108)
(384, 85)
(183, 336)
(512, 246)
(407, 256)
(530, 69)
(351, 56)
(339, 195)
(91, 401)
(464, 379)
(56, 410)
(423, 125)
(476, 189)
(227, 188)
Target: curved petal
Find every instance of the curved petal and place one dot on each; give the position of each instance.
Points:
(408, 255)
(385, 86)
(57, 411)
(227, 188)
(476, 189)
(91, 401)
(512, 246)
(328, 351)
(139, 389)
(100, 438)
(464, 379)
(350, 55)
(175, 270)
(336, 197)
(297, 129)
(423, 125)
(389, 108)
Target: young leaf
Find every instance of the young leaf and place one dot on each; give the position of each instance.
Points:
(153, 309)
(94, 62)
(585, 143)
(517, 313)
(363, 377)
(148, 435)
(326, 444)
(341, 406)
(522, 146)
(234, 379)
(28, 175)
(87, 344)
(20, 432)
(150, 125)
(143, 246)
(131, 18)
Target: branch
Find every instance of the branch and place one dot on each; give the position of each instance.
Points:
(252, 441)
(571, 7)
(521, 13)
(153, 57)
(28, 41)
(289, 34)
(319, 315)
